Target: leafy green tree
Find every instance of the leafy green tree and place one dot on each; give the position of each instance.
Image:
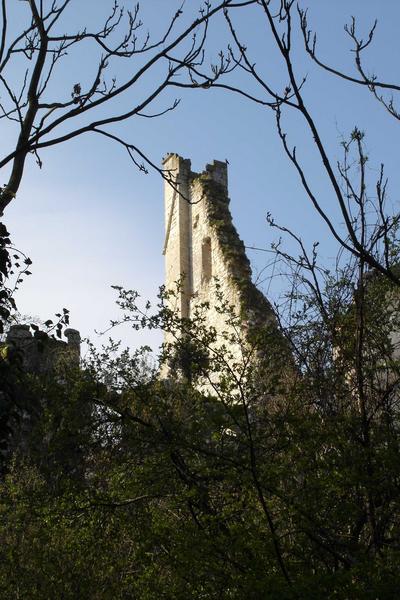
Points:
(278, 483)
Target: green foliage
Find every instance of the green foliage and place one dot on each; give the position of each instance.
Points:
(259, 475)
(217, 205)
(14, 267)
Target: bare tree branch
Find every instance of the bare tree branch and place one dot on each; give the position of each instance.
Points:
(40, 117)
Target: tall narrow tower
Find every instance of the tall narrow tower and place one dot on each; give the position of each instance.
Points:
(177, 244)
(202, 247)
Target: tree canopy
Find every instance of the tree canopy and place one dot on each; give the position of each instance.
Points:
(273, 475)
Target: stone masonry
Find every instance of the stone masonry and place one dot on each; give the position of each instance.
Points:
(203, 249)
(26, 355)
(43, 356)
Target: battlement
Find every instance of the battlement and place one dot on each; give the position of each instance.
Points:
(43, 354)
(218, 172)
(181, 171)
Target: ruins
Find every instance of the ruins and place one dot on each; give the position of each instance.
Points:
(42, 355)
(203, 250)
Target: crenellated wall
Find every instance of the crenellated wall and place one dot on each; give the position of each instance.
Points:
(43, 355)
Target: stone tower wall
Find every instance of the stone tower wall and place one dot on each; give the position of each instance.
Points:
(203, 246)
(177, 230)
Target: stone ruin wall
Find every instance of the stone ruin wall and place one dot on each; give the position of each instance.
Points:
(32, 355)
(202, 244)
(42, 356)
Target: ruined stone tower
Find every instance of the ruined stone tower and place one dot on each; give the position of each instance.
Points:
(202, 247)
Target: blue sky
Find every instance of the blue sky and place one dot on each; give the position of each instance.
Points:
(88, 219)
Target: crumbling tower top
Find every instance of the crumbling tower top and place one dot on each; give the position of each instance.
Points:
(202, 245)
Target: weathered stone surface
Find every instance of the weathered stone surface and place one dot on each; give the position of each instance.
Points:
(203, 248)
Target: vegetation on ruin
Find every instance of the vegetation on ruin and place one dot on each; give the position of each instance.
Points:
(264, 479)
(265, 476)
(233, 249)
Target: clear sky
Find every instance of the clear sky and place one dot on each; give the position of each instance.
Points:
(88, 219)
